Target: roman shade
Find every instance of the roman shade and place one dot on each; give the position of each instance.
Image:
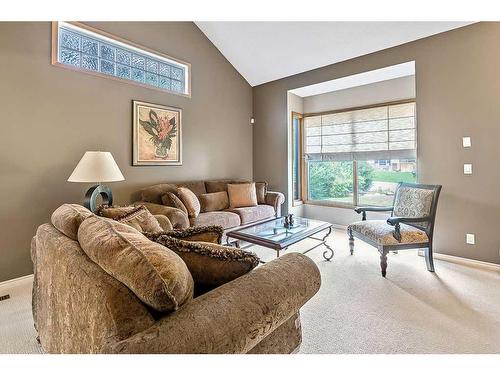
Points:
(381, 132)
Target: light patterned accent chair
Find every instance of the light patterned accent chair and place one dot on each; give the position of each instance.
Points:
(410, 226)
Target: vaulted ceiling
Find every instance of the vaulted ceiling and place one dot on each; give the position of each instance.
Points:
(267, 51)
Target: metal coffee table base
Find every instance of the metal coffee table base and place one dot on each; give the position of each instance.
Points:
(327, 254)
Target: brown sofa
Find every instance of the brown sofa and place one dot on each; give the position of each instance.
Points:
(80, 308)
(229, 218)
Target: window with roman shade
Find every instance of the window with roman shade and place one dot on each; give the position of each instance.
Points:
(382, 132)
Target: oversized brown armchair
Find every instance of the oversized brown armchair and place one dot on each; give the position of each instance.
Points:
(410, 226)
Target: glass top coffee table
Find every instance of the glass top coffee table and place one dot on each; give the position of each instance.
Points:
(273, 234)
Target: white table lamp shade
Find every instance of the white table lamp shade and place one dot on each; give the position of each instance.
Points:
(96, 166)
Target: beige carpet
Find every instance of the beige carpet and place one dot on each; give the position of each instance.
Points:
(455, 310)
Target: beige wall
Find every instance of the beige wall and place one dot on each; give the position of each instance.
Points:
(458, 91)
(51, 116)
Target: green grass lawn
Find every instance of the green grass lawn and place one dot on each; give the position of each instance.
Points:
(389, 176)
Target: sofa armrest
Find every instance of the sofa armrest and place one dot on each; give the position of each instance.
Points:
(178, 219)
(275, 199)
(234, 317)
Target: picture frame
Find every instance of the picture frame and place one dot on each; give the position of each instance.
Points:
(157, 134)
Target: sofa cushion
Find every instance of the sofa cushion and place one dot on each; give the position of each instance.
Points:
(190, 200)
(68, 217)
(210, 264)
(138, 217)
(242, 195)
(260, 191)
(223, 218)
(154, 193)
(214, 201)
(208, 233)
(156, 275)
(172, 200)
(251, 214)
(197, 187)
(221, 185)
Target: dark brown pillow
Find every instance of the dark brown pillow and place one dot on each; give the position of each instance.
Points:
(205, 233)
(137, 217)
(211, 265)
(261, 191)
(156, 275)
(172, 200)
(214, 201)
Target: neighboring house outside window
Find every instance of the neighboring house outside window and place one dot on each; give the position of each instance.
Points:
(357, 157)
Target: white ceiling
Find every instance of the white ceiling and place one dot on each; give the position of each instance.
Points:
(360, 79)
(266, 51)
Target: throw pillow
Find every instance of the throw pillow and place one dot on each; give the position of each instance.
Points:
(137, 217)
(156, 275)
(172, 200)
(190, 200)
(261, 191)
(206, 233)
(68, 217)
(242, 195)
(211, 265)
(214, 201)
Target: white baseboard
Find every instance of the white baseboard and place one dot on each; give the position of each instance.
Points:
(13, 282)
(464, 261)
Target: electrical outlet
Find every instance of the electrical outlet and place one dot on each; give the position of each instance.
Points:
(466, 142)
(467, 168)
(470, 239)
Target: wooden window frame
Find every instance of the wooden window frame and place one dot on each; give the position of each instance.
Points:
(305, 172)
(55, 62)
(300, 116)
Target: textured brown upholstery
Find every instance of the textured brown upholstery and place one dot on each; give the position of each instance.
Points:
(255, 213)
(210, 264)
(155, 274)
(68, 217)
(214, 201)
(153, 194)
(275, 199)
(237, 316)
(178, 218)
(79, 308)
(137, 217)
(223, 218)
(165, 224)
(190, 201)
(211, 233)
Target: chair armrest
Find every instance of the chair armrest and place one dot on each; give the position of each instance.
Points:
(164, 222)
(275, 199)
(178, 219)
(393, 220)
(363, 210)
(396, 221)
(234, 317)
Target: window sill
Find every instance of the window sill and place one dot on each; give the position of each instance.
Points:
(331, 204)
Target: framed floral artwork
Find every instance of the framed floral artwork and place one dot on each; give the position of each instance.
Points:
(157, 134)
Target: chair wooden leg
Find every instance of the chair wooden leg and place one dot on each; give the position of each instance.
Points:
(429, 261)
(351, 241)
(383, 261)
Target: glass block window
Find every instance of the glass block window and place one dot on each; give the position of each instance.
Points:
(88, 50)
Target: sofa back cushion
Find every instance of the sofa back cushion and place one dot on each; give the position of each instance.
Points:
(190, 200)
(156, 275)
(242, 195)
(68, 217)
(154, 193)
(138, 217)
(261, 191)
(214, 201)
(215, 186)
(197, 187)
